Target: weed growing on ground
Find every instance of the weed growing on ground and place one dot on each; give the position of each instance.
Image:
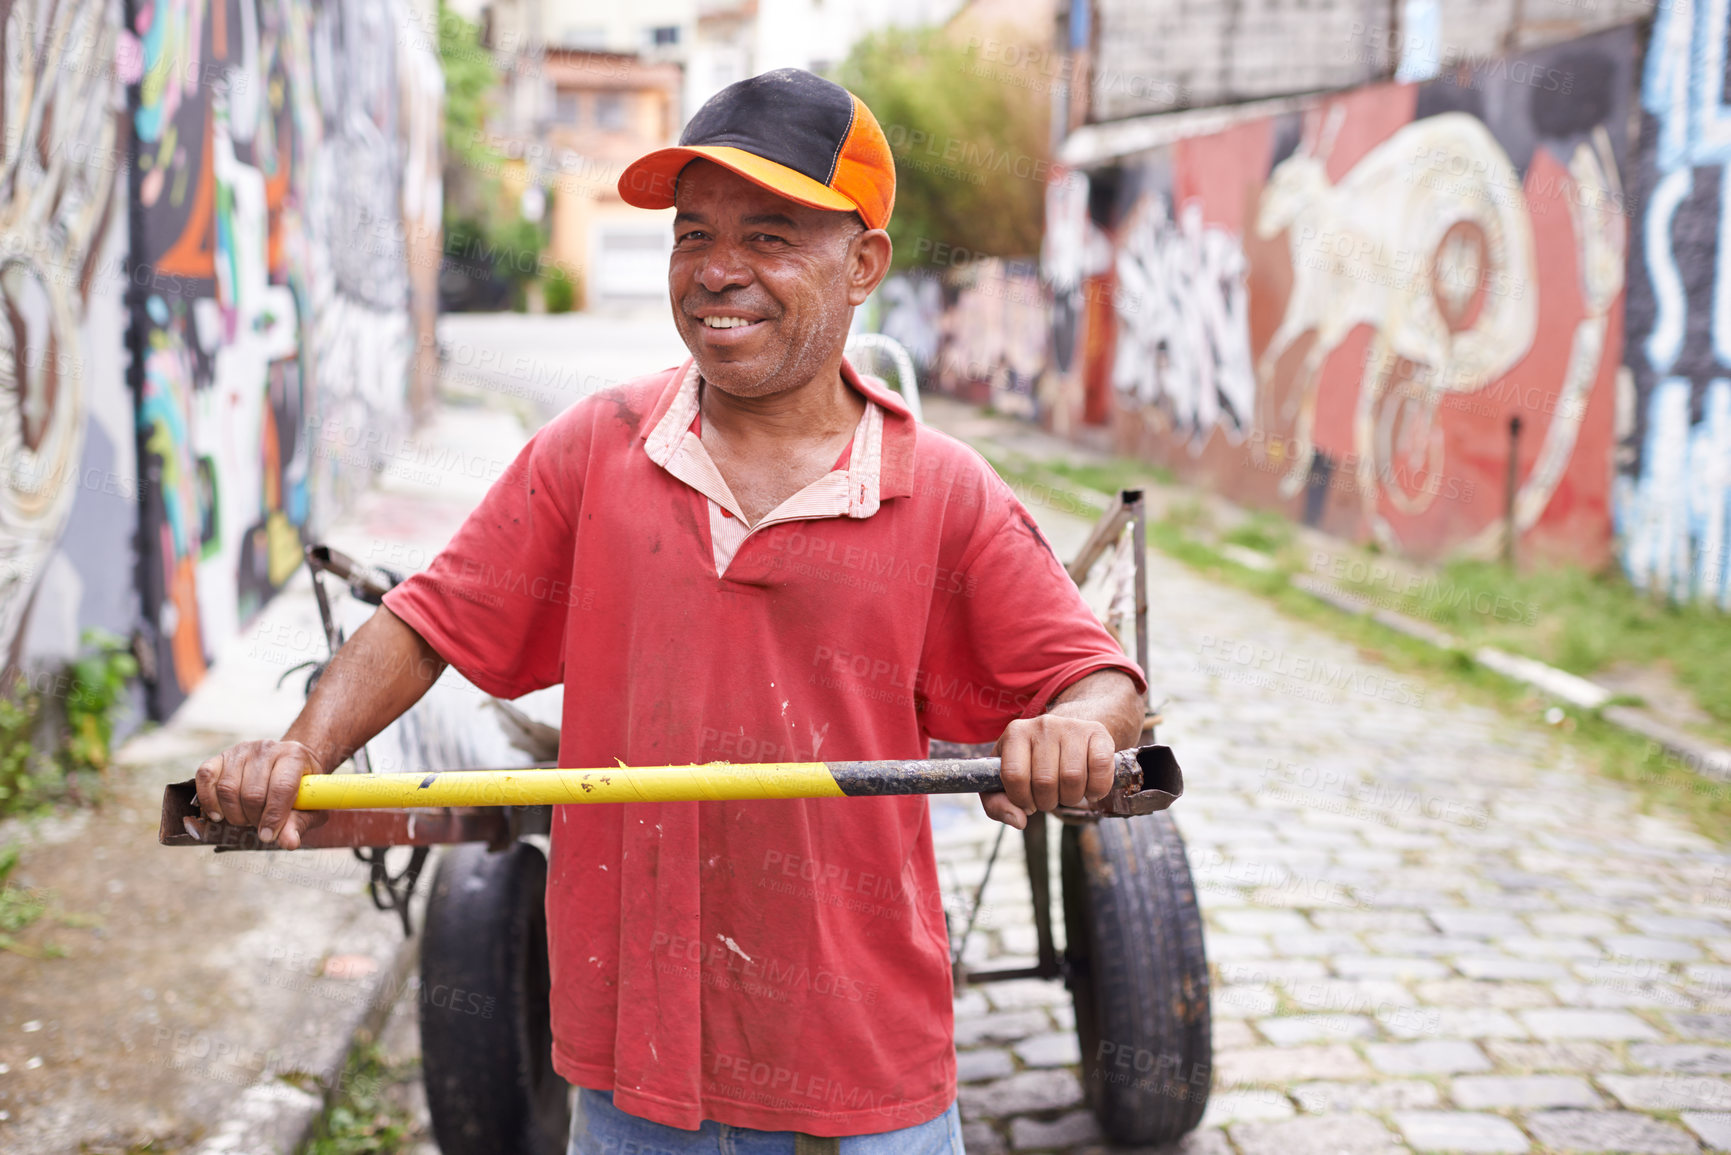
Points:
(364, 1119)
(18, 909)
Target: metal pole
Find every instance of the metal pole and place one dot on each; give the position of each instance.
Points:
(1509, 486)
(1145, 780)
(1137, 507)
(714, 781)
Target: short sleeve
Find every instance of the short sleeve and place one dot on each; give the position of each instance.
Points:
(1013, 635)
(494, 601)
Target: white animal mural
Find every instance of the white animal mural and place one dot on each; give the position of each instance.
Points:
(1427, 241)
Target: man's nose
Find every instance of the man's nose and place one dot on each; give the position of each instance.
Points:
(724, 267)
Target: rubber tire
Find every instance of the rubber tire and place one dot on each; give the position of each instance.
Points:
(491, 1087)
(1138, 976)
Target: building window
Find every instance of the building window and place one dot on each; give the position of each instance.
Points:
(567, 108)
(610, 111)
(666, 35)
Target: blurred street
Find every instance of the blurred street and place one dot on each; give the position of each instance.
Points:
(1397, 335)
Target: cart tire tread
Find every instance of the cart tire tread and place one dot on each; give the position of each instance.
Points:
(486, 1042)
(1139, 977)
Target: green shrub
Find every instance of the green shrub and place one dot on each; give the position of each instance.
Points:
(19, 786)
(559, 290)
(95, 697)
(971, 152)
(79, 729)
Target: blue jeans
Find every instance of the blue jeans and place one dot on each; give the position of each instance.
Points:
(600, 1128)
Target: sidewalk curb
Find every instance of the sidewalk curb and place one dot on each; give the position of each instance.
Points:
(1700, 756)
(276, 1117)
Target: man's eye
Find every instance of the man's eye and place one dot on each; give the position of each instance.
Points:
(770, 238)
(693, 235)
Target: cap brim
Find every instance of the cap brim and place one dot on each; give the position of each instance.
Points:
(648, 182)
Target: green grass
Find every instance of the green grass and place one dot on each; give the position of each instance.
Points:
(364, 1120)
(1263, 532)
(19, 909)
(1569, 601)
(1581, 622)
(1111, 476)
(1612, 751)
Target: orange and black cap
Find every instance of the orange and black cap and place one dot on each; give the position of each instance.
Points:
(797, 135)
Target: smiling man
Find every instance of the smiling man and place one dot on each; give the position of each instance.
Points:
(757, 555)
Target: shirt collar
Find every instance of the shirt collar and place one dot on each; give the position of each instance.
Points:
(892, 466)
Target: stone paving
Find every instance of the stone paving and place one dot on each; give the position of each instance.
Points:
(1428, 929)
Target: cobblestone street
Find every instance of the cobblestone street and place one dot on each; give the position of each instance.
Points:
(1428, 931)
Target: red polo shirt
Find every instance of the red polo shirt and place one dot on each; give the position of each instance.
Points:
(781, 965)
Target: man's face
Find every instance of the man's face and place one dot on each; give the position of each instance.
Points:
(762, 288)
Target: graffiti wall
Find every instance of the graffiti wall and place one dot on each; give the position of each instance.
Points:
(285, 174)
(1674, 458)
(68, 485)
(977, 330)
(992, 336)
(1340, 312)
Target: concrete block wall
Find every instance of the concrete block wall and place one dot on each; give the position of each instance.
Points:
(1153, 56)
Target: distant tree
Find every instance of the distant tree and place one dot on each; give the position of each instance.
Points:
(970, 148)
(482, 227)
(470, 78)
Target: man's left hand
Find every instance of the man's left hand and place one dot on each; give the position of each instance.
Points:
(1050, 761)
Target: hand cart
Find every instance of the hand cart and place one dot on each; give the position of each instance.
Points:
(1133, 957)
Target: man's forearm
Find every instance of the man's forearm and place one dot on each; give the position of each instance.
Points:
(377, 675)
(1108, 697)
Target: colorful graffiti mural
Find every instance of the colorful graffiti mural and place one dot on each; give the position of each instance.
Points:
(59, 292)
(284, 170)
(1674, 478)
(1338, 311)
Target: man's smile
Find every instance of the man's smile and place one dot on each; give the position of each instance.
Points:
(726, 330)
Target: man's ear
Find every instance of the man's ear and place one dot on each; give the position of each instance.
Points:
(868, 263)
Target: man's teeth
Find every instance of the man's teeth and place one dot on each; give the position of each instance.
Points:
(726, 322)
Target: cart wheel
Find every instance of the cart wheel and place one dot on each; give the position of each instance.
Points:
(486, 1039)
(1138, 976)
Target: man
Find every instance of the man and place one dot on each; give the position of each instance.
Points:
(756, 556)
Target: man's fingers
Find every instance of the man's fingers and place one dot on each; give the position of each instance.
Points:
(1100, 759)
(284, 784)
(236, 762)
(1073, 769)
(209, 774)
(1014, 755)
(255, 786)
(1001, 809)
(1045, 768)
(299, 823)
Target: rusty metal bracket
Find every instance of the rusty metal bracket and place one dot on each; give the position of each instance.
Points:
(1156, 785)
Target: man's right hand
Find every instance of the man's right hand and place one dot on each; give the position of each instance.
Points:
(379, 673)
(255, 783)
